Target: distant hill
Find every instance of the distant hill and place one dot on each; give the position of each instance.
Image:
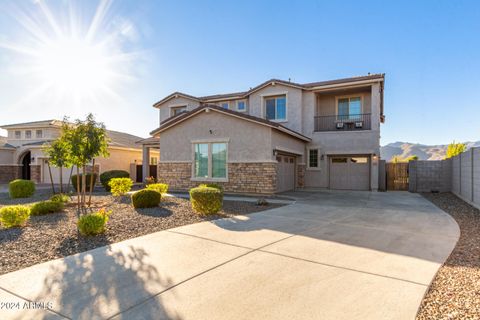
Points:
(424, 152)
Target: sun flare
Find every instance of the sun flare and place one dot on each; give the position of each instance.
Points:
(72, 61)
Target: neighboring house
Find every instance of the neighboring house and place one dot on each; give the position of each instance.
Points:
(275, 137)
(22, 156)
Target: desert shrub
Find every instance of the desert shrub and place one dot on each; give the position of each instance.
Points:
(109, 175)
(45, 207)
(61, 197)
(93, 223)
(88, 177)
(21, 188)
(14, 216)
(162, 188)
(146, 198)
(206, 200)
(211, 185)
(120, 186)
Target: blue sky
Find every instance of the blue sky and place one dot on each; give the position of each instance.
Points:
(429, 51)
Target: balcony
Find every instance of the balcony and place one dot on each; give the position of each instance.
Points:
(352, 122)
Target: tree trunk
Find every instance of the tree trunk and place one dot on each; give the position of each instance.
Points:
(91, 183)
(78, 188)
(69, 180)
(84, 184)
(61, 180)
(51, 178)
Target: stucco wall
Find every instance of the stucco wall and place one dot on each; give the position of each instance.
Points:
(47, 134)
(164, 110)
(247, 141)
(6, 156)
(294, 104)
(287, 143)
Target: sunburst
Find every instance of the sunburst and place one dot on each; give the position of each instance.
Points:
(67, 60)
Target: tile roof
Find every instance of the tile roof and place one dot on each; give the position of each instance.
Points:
(174, 120)
(243, 94)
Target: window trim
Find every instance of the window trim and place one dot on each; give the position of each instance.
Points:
(19, 134)
(244, 101)
(317, 168)
(177, 106)
(37, 136)
(26, 137)
(274, 95)
(227, 103)
(349, 96)
(209, 178)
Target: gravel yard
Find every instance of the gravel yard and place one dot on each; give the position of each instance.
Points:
(55, 235)
(455, 291)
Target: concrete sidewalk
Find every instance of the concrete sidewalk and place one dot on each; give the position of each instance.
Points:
(331, 255)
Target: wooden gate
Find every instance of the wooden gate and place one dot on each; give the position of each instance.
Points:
(397, 176)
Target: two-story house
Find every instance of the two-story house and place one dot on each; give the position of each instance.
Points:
(22, 155)
(275, 137)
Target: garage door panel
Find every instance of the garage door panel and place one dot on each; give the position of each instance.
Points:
(350, 173)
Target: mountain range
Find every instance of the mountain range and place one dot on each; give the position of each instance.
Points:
(424, 152)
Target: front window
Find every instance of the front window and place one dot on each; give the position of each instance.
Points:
(18, 134)
(210, 160)
(241, 106)
(224, 105)
(178, 110)
(349, 108)
(39, 134)
(28, 134)
(276, 108)
(313, 158)
(153, 161)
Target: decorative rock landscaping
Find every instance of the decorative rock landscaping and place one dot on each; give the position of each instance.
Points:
(55, 235)
(455, 291)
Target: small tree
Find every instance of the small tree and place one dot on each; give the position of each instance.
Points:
(411, 158)
(58, 154)
(454, 149)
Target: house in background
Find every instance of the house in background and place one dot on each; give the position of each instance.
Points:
(22, 157)
(275, 137)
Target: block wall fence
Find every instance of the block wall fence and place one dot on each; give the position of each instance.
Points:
(459, 175)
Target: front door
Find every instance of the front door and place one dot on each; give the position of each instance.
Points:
(26, 166)
(285, 173)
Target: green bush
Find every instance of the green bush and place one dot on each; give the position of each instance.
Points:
(88, 178)
(120, 186)
(64, 198)
(146, 198)
(21, 188)
(211, 185)
(109, 175)
(206, 200)
(45, 207)
(14, 216)
(162, 188)
(93, 223)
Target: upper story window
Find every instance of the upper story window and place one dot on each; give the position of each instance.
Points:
(241, 105)
(28, 134)
(18, 134)
(224, 105)
(349, 108)
(210, 160)
(177, 110)
(276, 108)
(39, 134)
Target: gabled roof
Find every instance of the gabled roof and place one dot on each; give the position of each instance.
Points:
(305, 86)
(170, 122)
(4, 144)
(41, 123)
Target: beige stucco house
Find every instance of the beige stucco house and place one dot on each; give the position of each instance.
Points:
(22, 156)
(275, 137)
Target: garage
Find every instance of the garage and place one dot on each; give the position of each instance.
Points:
(350, 172)
(285, 173)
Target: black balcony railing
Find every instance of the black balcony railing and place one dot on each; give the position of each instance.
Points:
(349, 122)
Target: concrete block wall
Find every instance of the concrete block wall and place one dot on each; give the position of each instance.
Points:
(455, 175)
(466, 175)
(428, 176)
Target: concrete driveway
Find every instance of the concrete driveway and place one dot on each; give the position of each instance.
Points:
(331, 255)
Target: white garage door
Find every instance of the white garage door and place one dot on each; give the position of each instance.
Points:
(285, 173)
(350, 173)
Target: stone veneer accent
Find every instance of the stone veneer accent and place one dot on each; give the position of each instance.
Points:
(301, 175)
(35, 173)
(258, 177)
(9, 173)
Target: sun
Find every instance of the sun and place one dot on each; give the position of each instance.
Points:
(74, 66)
(69, 60)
